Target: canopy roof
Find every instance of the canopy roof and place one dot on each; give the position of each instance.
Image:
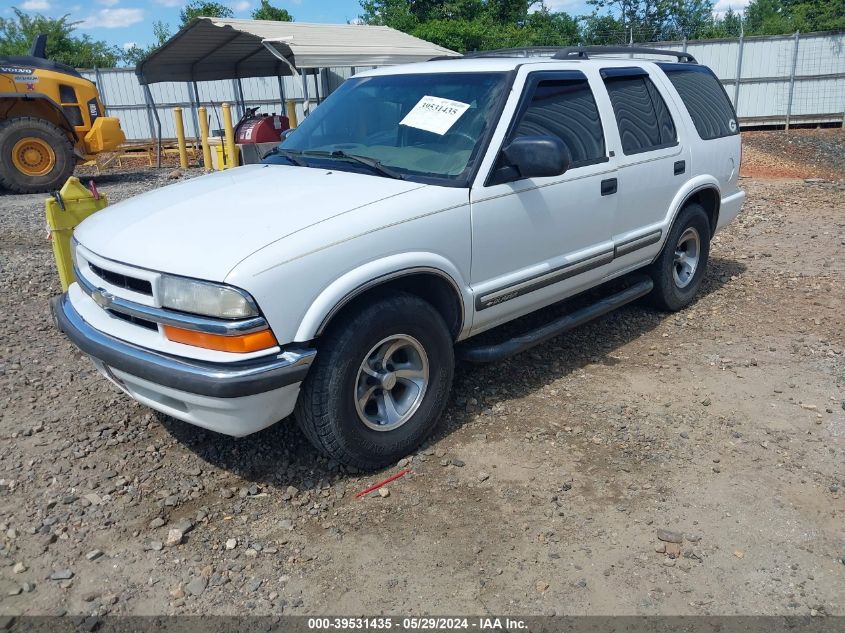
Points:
(217, 48)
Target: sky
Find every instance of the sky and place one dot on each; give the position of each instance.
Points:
(127, 22)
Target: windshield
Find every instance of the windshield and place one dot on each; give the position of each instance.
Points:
(425, 127)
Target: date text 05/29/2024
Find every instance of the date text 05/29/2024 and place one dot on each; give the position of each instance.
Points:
(426, 623)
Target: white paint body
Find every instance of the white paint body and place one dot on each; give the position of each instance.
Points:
(301, 239)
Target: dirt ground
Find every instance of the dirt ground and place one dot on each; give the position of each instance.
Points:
(546, 489)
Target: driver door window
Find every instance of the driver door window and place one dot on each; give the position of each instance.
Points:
(566, 109)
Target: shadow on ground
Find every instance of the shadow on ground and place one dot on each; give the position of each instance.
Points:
(281, 456)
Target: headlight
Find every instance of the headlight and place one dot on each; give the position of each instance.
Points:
(205, 298)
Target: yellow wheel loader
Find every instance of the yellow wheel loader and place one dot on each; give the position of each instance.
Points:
(50, 119)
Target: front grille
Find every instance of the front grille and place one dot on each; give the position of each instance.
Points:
(141, 286)
(150, 325)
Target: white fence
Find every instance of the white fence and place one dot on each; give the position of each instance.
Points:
(778, 80)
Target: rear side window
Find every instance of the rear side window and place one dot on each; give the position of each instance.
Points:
(644, 121)
(705, 99)
(565, 108)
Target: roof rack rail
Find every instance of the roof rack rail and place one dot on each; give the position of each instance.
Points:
(583, 52)
(572, 52)
(527, 51)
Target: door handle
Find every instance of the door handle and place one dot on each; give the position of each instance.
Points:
(608, 186)
(680, 167)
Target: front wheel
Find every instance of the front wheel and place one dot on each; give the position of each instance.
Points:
(678, 270)
(379, 383)
(35, 155)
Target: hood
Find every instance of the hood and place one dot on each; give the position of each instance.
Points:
(204, 226)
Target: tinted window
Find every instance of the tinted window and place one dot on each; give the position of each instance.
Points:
(705, 99)
(643, 118)
(565, 109)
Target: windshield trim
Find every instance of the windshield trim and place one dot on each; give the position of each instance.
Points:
(467, 177)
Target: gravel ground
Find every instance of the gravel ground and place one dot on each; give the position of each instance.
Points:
(644, 464)
(795, 154)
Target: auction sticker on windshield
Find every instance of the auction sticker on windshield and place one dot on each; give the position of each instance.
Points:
(435, 114)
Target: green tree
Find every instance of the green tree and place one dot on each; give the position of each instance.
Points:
(546, 28)
(393, 13)
(688, 18)
(819, 15)
(768, 17)
(774, 17)
(602, 30)
(203, 8)
(267, 11)
(509, 11)
(469, 25)
(642, 20)
(161, 32)
(16, 35)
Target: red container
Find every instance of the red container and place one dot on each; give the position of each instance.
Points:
(262, 129)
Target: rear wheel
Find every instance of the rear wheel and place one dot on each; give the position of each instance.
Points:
(35, 155)
(678, 270)
(379, 383)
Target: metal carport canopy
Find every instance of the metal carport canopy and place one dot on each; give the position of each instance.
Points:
(216, 48)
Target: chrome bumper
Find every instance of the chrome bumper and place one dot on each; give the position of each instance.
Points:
(218, 380)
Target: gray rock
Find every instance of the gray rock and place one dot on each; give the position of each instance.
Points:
(61, 574)
(196, 586)
(667, 536)
(94, 554)
(157, 522)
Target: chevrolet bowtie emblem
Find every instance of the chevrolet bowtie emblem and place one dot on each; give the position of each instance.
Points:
(101, 297)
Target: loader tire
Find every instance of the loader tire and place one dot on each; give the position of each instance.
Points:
(35, 155)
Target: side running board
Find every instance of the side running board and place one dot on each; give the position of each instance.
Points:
(639, 287)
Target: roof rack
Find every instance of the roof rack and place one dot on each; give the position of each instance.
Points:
(583, 52)
(528, 51)
(574, 52)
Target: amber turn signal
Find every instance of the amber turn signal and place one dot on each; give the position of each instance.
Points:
(241, 343)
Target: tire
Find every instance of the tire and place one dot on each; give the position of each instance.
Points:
(366, 436)
(675, 282)
(45, 166)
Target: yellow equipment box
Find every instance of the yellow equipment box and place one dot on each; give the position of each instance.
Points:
(74, 203)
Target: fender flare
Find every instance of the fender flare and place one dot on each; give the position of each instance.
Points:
(40, 96)
(690, 188)
(374, 273)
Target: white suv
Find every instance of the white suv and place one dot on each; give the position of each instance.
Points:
(416, 207)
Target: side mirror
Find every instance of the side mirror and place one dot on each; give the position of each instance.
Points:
(532, 157)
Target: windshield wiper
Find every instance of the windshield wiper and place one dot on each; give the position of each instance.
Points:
(372, 163)
(290, 154)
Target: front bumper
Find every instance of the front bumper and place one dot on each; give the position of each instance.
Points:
(232, 398)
